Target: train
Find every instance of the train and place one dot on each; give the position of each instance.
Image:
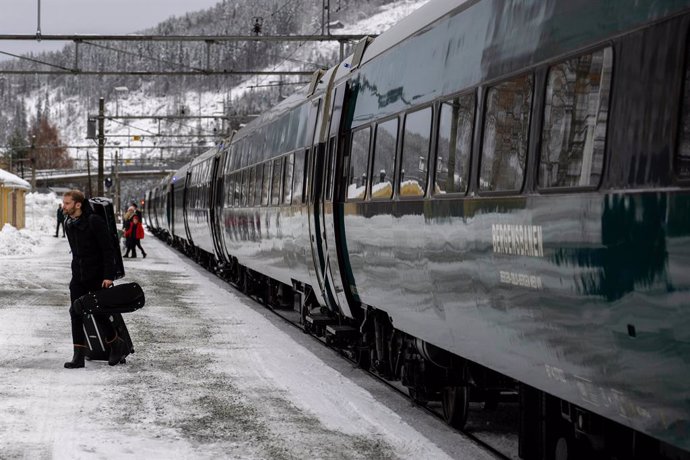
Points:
(489, 199)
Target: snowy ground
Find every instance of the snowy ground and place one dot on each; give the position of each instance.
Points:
(214, 375)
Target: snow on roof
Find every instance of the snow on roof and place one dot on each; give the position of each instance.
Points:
(411, 24)
(10, 180)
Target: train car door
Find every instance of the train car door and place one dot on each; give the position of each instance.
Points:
(330, 268)
(170, 209)
(185, 205)
(314, 168)
(215, 203)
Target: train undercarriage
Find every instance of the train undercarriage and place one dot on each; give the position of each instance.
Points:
(548, 428)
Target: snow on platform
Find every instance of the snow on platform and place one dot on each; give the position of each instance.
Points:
(214, 374)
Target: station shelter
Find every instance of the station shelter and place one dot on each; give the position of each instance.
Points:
(13, 190)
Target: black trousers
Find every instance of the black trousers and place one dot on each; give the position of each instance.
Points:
(133, 245)
(76, 290)
(57, 229)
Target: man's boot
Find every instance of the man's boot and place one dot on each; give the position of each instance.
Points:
(78, 358)
(118, 350)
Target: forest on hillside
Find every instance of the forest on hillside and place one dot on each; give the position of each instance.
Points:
(237, 17)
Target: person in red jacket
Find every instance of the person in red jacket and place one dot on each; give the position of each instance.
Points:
(134, 234)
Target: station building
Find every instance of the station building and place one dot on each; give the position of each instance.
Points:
(13, 190)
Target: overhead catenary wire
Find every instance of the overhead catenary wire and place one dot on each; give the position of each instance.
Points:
(36, 61)
(313, 34)
(143, 56)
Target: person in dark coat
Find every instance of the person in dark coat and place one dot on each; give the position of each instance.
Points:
(136, 210)
(134, 234)
(93, 268)
(60, 221)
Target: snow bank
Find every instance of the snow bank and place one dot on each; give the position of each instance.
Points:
(10, 180)
(40, 223)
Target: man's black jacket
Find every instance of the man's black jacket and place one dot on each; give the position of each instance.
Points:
(92, 251)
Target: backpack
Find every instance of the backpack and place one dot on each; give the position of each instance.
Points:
(104, 207)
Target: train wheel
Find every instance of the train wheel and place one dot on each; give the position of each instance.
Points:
(244, 281)
(456, 403)
(363, 357)
(491, 400)
(561, 449)
(418, 396)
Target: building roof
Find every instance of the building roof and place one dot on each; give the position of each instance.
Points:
(11, 181)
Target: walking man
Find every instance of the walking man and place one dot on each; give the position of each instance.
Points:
(92, 269)
(60, 221)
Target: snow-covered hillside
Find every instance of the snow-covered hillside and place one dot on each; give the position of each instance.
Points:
(70, 113)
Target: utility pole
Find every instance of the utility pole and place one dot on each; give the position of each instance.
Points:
(88, 172)
(38, 25)
(117, 181)
(101, 143)
(33, 162)
(325, 16)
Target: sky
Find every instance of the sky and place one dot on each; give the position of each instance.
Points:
(84, 17)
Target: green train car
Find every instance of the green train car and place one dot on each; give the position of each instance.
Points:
(491, 197)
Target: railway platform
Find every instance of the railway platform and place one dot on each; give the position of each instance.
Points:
(214, 375)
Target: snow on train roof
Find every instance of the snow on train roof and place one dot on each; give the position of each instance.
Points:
(277, 110)
(8, 179)
(412, 24)
(211, 152)
(406, 27)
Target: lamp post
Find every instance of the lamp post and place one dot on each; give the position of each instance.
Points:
(33, 162)
(101, 144)
(117, 179)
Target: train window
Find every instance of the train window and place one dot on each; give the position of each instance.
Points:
(575, 117)
(237, 183)
(247, 185)
(329, 168)
(415, 153)
(298, 173)
(275, 186)
(287, 183)
(257, 185)
(455, 129)
(243, 188)
(683, 159)
(265, 188)
(229, 187)
(252, 187)
(506, 128)
(384, 159)
(230, 162)
(247, 150)
(359, 155)
(237, 153)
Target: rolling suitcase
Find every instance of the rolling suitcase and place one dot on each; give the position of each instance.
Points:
(104, 208)
(96, 340)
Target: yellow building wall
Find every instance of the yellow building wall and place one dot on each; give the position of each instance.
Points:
(12, 206)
